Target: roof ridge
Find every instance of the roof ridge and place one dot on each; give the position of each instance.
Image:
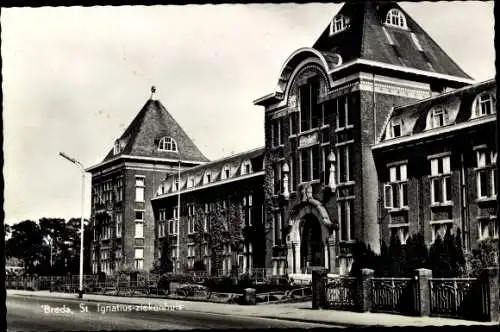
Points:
(445, 94)
(222, 159)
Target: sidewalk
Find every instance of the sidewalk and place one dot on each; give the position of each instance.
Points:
(286, 311)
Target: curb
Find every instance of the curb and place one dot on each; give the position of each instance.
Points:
(315, 321)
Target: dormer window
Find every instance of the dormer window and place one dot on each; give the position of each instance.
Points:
(246, 167)
(226, 171)
(439, 117)
(190, 182)
(396, 18)
(483, 105)
(339, 23)
(117, 148)
(207, 178)
(167, 144)
(394, 129)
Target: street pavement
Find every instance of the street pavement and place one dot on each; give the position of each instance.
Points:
(280, 313)
(37, 313)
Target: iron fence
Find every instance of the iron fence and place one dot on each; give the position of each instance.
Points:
(456, 297)
(394, 295)
(342, 293)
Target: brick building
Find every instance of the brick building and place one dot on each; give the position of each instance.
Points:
(330, 105)
(231, 185)
(153, 146)
(350, 155)
(436, 161)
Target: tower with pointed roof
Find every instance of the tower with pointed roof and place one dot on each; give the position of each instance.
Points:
(329, 106)
(154, 146)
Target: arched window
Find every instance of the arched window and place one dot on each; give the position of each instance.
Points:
(396, 18)
(226, 172)
(246, 167)
(190, 182)
(483, 105)
(339, 23)
(167, 144)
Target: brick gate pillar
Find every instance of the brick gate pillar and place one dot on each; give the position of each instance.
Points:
(423, 292)
(319, 276)
(490, 297)
(365, 290)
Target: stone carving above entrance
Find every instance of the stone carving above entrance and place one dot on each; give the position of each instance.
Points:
(305, 192)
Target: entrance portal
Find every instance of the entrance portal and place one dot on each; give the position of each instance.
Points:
(311, 247)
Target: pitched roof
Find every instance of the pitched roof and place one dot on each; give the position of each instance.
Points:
(458, 103)
(215, 168)
(369, 38)
(152, 123)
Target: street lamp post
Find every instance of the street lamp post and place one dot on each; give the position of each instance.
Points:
(76, 162)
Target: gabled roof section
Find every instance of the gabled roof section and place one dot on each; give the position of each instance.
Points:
(367, 37)
(142, 136)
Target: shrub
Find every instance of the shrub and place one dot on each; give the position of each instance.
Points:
(484, 255)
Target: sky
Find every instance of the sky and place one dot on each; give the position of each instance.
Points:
(75, 77)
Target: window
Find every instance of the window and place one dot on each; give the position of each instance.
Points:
(174, 251)
(394, 129)
(310, 110)
(139, 215)
(139, 189)
(486, 173)
(278, 133)
(175, 211)
(191, 220)
(119, 190)
(191, 255)
(396, 191)
(343, 118)
(139, 230)
(277, 178)
(172, 227)
(483, 105)
(339, 23)
(294, 123)
(226, 172)
(346, 220)
(396, 18)
(176, 185)
(117, 148)
(488, 228)
(167, 144)
(440, 180)
(440, 229)
(119, 225)
(207, 178)
(278, 225)
(246, 167)
(205, 218)
(161, 229)
(439, 117)
(139, 258)
(247, 209)
(344, 163)
(190, 182)
(162, 215)
(402, 233)
(310, 163)
(291, 175)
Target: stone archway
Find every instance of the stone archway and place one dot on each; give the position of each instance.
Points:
(311, 233)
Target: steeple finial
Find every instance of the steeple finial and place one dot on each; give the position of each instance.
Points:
(153, 90)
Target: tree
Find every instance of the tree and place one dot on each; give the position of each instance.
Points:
(225, 227)
(163, 264)
(26, 244)
(416, 253)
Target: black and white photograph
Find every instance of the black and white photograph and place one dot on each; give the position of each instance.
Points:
(250, 166)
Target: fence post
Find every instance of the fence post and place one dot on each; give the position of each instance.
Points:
(490, 296)
(365, 290)
(319, 276)
(423, 291)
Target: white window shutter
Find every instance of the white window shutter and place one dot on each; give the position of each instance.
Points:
(446, 164)
(388, 196)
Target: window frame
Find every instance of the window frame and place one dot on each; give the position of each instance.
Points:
(344, 24)
(396, 14)
(167, 144)
(140, 188)
(442, 177)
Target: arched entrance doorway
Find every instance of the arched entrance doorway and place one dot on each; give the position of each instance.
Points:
(312, 250)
